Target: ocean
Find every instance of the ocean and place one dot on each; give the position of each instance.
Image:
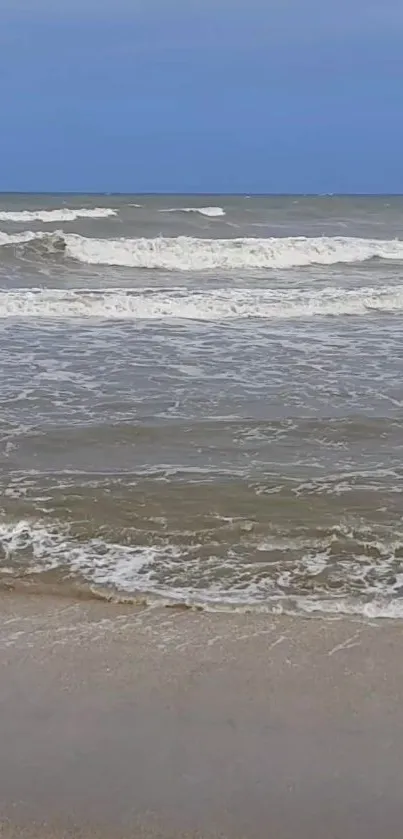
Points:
(201, 400)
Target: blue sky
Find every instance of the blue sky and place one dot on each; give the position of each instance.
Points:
(201, 95)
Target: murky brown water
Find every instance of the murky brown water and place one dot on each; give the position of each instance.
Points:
(200, 406)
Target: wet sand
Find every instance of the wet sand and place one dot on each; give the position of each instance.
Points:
(117, 722)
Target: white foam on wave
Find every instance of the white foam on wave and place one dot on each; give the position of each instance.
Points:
(20, 238)
(198, 305)
(132, 570)
(185, 253)
(211, 212)
(191, 254)
(56, 215)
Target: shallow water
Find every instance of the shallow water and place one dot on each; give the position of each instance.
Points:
(201, 399)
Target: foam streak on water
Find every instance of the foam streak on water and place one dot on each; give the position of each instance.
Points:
(215, 305)
(201, 400)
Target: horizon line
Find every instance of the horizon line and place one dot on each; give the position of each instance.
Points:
(210, 194)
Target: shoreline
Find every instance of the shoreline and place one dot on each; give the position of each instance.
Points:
(121, 721)
(295, 607)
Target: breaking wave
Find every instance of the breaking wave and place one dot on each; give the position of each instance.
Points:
(202, 305)
(29, 548)
(212, 212)
(62, 214)
(185, 253)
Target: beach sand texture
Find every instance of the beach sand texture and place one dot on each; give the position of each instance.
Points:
(116, 722)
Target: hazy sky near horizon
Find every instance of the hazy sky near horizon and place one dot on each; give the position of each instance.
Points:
(201, 95)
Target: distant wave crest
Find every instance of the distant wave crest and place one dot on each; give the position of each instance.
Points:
(185, 253)
(62, 214)
(204, 211)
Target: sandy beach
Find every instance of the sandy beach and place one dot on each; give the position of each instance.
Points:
(117, 722)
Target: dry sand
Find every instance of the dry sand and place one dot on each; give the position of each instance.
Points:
(116, 722)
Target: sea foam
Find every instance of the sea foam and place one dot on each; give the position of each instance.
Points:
(212, 212)
(220, 304)
(192, 254)
(133, 570)
(186, 253)
(62, 214)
